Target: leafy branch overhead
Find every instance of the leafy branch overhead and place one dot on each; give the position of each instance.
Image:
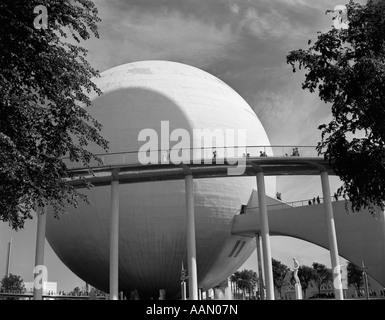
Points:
(346, 67)
(45, 82)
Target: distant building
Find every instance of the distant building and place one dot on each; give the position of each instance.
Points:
(288, 292)
(49, 288)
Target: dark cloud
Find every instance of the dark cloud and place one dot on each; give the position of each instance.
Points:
(242, 42)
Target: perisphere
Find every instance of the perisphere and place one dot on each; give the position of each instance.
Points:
(152, 218)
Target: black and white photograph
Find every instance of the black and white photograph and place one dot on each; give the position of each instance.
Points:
(199, 156)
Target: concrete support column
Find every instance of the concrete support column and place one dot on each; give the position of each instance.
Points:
(262, 270)
(183, 289)
(382, 220)
(266, 248)
(114, 241)
(337, 283)
(261, 275)
(191, 246)
(39, 255)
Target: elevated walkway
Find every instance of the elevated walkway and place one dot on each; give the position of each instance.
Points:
(360, 236)
(126, 168)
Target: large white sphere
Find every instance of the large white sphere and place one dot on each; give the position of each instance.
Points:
(152, 243)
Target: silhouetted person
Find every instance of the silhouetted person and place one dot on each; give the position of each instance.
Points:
(318, 199)
(309, 202)
(295, 152)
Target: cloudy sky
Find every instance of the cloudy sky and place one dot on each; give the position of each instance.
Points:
(242, 42)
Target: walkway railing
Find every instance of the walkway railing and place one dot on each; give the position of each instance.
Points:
(14, 294)
(198, 155)
(293, 204)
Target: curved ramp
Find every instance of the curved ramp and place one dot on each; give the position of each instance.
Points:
(360, 236)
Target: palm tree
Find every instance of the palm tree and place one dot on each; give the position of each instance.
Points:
(244, 281)
(355, 276)
(321, 275)
(234, 282)
(280, 271)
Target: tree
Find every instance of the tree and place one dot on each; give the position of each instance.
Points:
(280, 271)
(12, 284)
(94, 293)
(249, 281)
(45, 85)
(347, 67)
(75, 292)
(355, 276)
(321, 275)
(233, 281)
(306, 276)
(244, 281)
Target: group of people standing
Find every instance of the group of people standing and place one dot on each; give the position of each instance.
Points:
(314, 201)
(318, 200)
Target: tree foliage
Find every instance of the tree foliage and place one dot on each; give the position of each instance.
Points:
(245, 280)
(280, 271)
(355, 276)
(75, 292)
(45, 82)
(306, 275)
(94, 293)
(12, 284)
(347, 68)
(321, 275)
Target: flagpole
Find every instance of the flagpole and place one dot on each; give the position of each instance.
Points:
(8, 265)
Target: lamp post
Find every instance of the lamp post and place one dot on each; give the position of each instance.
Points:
(183, 278)
(366, 284)
(8, 265)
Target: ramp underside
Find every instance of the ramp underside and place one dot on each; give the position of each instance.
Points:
(360, 236)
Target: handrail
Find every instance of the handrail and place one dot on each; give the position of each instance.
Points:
(296, 204)
(215, 147)
(214, 152)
